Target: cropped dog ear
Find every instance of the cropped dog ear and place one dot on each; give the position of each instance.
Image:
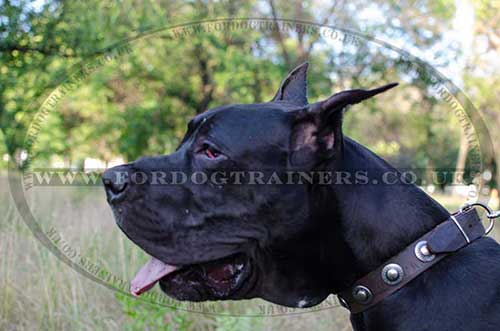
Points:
(293, 88)
(317, 130)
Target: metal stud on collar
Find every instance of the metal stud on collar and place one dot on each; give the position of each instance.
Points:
(422, 252)
(392, 274)
(362, 294)
(343, 302)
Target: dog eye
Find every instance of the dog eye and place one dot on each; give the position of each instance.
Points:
(210, 151)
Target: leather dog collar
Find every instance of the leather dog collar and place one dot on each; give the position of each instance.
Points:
(458, 231)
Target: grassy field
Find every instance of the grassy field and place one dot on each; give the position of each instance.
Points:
(39, 292)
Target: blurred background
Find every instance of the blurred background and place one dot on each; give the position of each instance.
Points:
(138, 102)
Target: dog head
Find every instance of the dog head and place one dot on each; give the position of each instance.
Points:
(223, 218)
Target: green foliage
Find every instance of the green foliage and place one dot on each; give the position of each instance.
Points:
(3, 151)
(229, 323)
(148, 317)
(138, 103)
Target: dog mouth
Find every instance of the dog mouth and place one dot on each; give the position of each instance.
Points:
(211, 280)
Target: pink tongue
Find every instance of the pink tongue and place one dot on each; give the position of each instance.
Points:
(149, 274)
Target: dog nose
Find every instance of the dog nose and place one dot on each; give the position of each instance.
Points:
(115, 182)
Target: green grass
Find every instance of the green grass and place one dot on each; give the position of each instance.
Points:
(39, 292)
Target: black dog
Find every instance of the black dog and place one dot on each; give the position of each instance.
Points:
(294, 244)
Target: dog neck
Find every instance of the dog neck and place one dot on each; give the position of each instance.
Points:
(369, 223)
